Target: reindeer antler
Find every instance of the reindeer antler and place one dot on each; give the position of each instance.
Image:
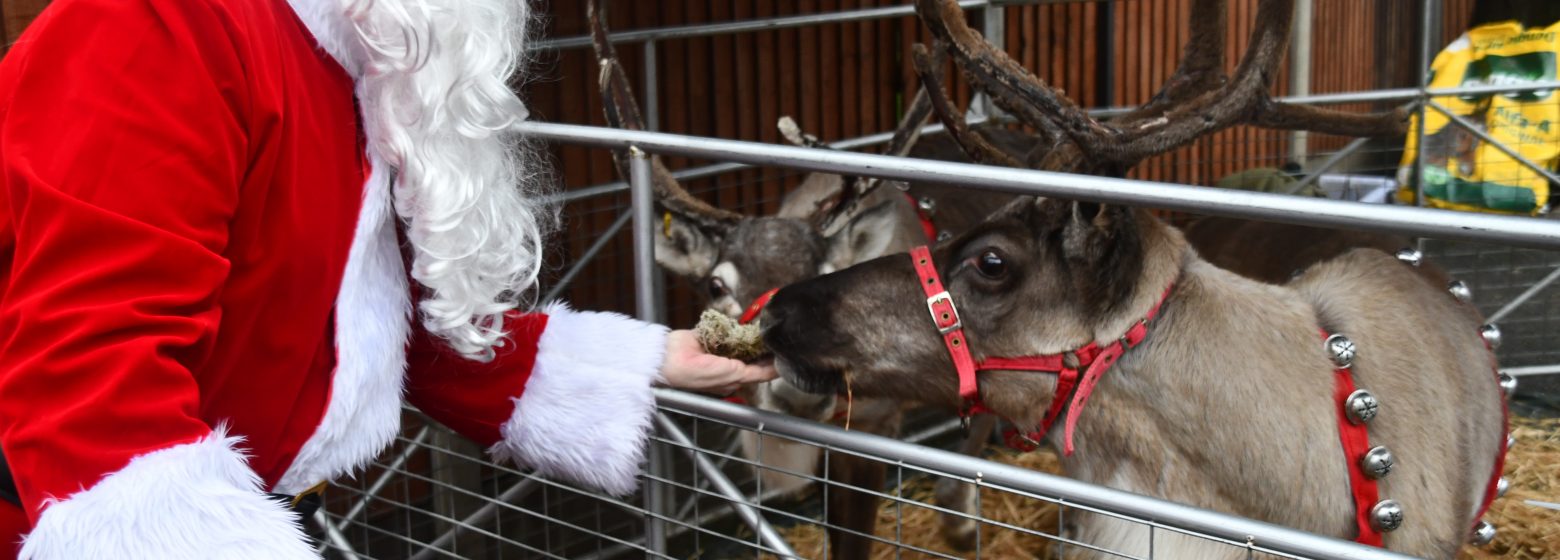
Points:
(831, 213)
(928, 67)
(906, 133)
(623, 112)
(1198, 99)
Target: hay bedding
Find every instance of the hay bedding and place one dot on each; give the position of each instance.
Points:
(1525, 531)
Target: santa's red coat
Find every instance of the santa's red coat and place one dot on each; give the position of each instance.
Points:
(196, 247)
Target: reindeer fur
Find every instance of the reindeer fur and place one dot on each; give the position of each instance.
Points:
(1227, 404)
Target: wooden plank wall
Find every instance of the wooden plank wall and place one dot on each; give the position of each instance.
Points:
(842, 80)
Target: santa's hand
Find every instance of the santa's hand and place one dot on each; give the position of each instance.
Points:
(687, 366)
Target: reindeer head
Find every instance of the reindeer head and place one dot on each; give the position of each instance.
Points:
(1040, 277)
(738, 262)
(828, 223)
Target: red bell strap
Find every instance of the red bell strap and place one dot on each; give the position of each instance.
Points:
(1492, 489)
(753, 309)
(1356, 442)
(1095, 359)
(927, 227)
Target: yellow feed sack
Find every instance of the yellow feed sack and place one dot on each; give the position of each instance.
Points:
(1461, 170)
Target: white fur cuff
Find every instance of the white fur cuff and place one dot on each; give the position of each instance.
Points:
(197, 500)
(585, 413)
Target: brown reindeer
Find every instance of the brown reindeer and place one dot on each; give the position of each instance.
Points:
(827, 223)
(1192, 409)
(1198, 99)
(1227, 402)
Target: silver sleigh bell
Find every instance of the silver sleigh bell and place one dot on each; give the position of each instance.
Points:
(1386, 515)
(1378, 462)
(1501, 486)
(1361, 406)
(1460, 291)
(1482, 534)
(1410, 255)
(1508, 385)
(1341, 350)
(1491, 334)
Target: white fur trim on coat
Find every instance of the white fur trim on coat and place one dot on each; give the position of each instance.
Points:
(333, 32)
(585, 413)
(196, 500)
(373, 314)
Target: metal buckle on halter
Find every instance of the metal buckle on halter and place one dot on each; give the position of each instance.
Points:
(931, 308)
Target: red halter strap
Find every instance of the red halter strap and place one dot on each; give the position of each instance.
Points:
(753, 309)
(1095, 359)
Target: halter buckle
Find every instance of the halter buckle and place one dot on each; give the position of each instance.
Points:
(931, 307)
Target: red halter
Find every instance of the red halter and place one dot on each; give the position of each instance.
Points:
(753, 309)
(1095, 359)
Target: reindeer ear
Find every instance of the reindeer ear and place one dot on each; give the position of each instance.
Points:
(684, 248)
(866, 236)
(1105, 247)
(1092, 229)
(817, 194)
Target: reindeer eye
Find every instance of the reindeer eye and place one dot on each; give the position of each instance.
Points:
(718, 288)
(991, 265)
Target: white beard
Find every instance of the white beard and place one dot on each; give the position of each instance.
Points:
(433, 81)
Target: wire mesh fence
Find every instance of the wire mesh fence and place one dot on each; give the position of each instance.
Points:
(705, 495)
(432, 498)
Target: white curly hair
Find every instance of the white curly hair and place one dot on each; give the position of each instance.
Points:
(436, 86)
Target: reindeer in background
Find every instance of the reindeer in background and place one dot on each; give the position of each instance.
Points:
(828, 223)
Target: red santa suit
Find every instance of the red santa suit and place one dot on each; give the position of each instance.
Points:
(204, 298)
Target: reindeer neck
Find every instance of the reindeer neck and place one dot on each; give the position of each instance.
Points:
(1023, 397)
(1165, 254)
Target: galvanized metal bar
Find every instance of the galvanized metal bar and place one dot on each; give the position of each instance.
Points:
(646, 303)
(1397, 94)
(1327, 165)
(720, 168)
(1525, 296)
(994, 29)
(1402, 94)
(1300, 71)
(652, 89)
(1427, 24)
(1531, 370)
(590, 253)
(743, 26)
(643, 200)
(1176, 516)
(477, 518)
(1485, 136)
(725, 487)
(334, 537)
(1447, 224)
(384, 478)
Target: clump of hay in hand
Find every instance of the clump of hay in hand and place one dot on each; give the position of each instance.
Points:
(723, 336)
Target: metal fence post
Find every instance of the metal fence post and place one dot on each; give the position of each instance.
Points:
(994, 27)
(647, 303)
(1427, 25)
(1300, 71)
